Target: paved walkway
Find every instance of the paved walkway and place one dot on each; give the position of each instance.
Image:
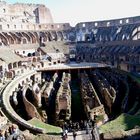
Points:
(74, 66)
(81, 135)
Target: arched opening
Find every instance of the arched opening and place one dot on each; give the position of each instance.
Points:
(10, 38)
(10, 66)
(34, 59)
(43, 37)
(36, 36)
(49, 36)
(32, 37)
(60, 35)
(29, 55)
(87, 37)
(4, 39)
(19, 63)
(33, 54)
(15, 65)
(17, 40)
(9, 74)
(26, 36)
(24, 41)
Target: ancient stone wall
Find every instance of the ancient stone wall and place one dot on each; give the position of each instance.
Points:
(49, 88)
(24, 13)
(29, 107)
(108, 93)
(92, 104)
(63, 99)
(108, 23)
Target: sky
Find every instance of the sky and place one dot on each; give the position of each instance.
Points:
(75, 11)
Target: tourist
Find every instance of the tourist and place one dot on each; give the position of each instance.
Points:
(95, 133)
(93, 123)
(87, 127)
(74, 135)
(92, 133)
(65, 133)
(6, 134)
(82, 125)
(64, 137)
(77, 126)
(85, 124)
(74, 126)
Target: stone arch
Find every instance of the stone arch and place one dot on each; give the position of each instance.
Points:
(49, 36)
(24, 40)
(4, 40)
(60, 35)
(65, 35)
(26, 36)
(10, 38)
(44, 36)
(71, 36)
(13, 72)
(19, 37)
(34, 40)
(135, 32)
(34, 59)
(87, 37)
(10, 66)
(19, 64)
(29, 55)
(9, 74)
(37, 36)
(15, 65)
(54, 35)
(15, 37)
(29, 37)
(33, 54)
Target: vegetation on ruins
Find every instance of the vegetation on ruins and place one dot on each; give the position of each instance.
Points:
(99, 118)
(49, 129)
(123, 122)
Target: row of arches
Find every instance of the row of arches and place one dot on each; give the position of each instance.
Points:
(112, 33)
(9, 38)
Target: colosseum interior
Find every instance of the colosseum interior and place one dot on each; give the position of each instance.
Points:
(55, 76)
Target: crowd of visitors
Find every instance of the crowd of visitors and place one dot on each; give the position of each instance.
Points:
(76, 126)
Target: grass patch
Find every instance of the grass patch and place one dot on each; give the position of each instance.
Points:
(123, 122)
(49, 129)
